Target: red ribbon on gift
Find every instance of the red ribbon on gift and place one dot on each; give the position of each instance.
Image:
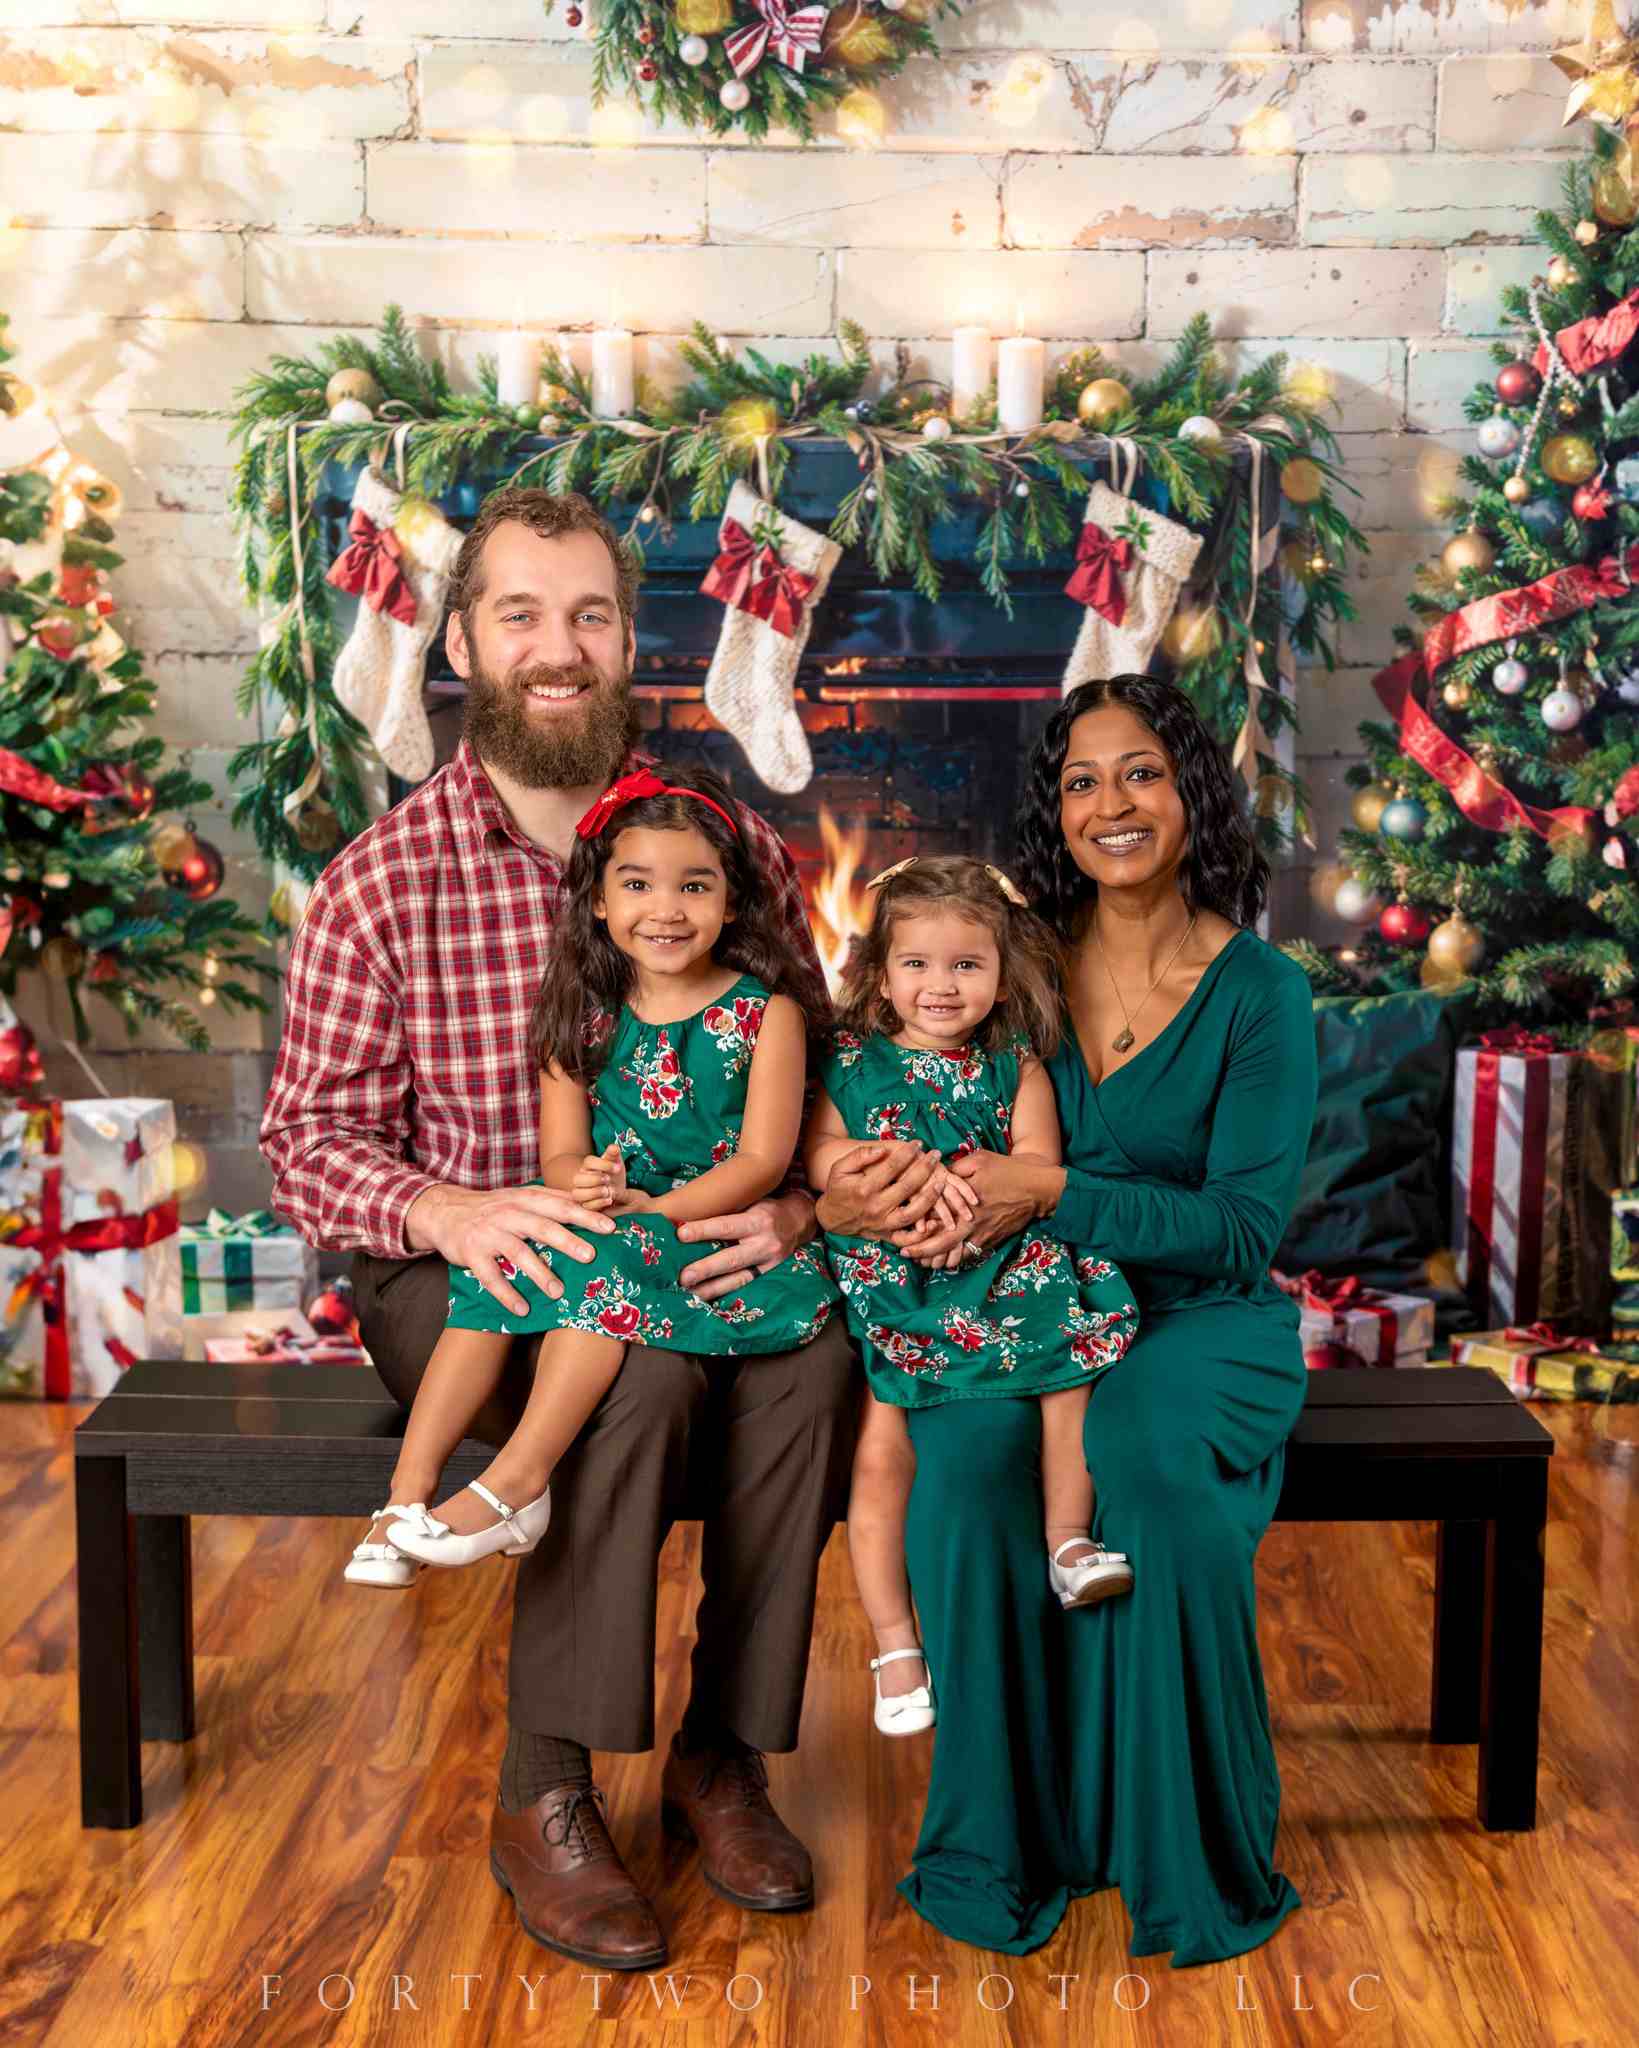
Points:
(1516, 1039)
(753, 579)
(371, 567)
(1101, 560)
(1340, 1297)
(21, 778)
(796, 34)
(1601, 338)
(49, 1239)
(1546, 1338)
(1481, 798)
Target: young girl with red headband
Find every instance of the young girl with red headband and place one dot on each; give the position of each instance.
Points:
(949, 1005)
(672, 1045)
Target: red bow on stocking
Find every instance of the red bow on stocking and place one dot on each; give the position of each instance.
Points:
(370, 567)
(795, 33)
(753, 579)
(1101, 560)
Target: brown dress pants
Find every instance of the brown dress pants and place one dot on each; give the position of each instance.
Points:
(759, 1449)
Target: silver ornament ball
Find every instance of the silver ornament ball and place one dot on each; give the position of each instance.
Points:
(1509, 677)
(735, 95)
(694, 50)
(1354, 901)
(1562, 711)
(1498, 437)
(1201, 431)
(350, 412)
(936, 427)
(1627, 688)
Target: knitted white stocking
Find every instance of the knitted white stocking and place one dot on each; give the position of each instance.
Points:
(1146, 593)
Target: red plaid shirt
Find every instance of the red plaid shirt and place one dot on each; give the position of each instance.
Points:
(405, 1057)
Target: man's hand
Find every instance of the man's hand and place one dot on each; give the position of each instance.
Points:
(756, 1240)
(493, 1233)
(882, 1190)
(600, 1179)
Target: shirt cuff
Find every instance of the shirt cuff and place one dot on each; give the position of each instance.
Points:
(390, 1212)
(1071, 1220)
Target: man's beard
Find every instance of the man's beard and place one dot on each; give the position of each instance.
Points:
(570, 749)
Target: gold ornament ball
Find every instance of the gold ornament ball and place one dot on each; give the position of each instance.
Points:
(704, 17)
(1456, 695)
(316, 828)
(62, 957)
(1367, 808)
(1569, 407)
(746, 421)
(1271, 796)
(1560, 273)
(1301, 480)
(1191, 636)
(1587, 232)
(357, 384)
(1569, 458)
(862, 117)
(556, 394)
(1614, 200)
(1516, 490)
(1467, 550)
(1103, 400)
(420, 526)
(1456, 947)
(171, 844)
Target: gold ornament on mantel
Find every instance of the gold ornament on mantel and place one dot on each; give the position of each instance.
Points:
(1367, 808)
(1603, 70)
(1190, 635)
(1469, 549)
(1301, 480)
(1103, 400)
(357, 384)
(704, 17)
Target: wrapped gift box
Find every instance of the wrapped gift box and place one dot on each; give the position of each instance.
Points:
(1534, 1161)
(1381, 1328)
(278, 1346)
(88, 1244)
(1625, 1314)
(198, 1331)
(1625, 1235)
(239, 1262)
(1541, 1364)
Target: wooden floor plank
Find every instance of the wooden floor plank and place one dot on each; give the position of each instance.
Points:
(329, 1825)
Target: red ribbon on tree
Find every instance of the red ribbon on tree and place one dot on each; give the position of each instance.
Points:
(1551, 597)
(1586, 344)
(370, 566)
(1101, 560)
(1481, 798)
(753, 579)
(51, 1240)
(21, 778)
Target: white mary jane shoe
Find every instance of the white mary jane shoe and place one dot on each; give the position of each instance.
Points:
(383, 1564)
(1093, 1578)
(433, 1542)
(906, 1713)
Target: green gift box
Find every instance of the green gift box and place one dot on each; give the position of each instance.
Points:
(250, 1261)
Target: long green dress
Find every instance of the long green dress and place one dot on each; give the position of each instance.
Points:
(673, 1096)
(1128, 1744)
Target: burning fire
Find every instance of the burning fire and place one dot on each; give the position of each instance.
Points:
(840, 910)
(849, 665)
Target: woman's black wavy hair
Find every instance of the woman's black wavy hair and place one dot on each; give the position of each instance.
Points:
(1222, 868)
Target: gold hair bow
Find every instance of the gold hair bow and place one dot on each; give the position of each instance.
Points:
(1009, 888)
(888, 874)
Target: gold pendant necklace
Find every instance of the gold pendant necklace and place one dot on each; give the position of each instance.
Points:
(1124, 1038)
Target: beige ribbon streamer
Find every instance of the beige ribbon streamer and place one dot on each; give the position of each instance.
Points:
(1253, 735)
(310, 781)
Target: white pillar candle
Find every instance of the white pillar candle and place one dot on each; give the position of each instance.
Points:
(517, 368)
(970, 367)
(1020, 373)
(613, 389)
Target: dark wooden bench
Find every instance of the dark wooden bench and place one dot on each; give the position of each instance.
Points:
(1449, 1446)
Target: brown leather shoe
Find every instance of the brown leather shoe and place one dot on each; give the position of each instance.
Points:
(566, 1878)
(719, 1798)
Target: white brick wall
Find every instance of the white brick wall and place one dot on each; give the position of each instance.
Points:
(193, 185)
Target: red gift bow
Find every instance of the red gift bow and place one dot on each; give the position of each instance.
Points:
(1550, 1339)
(1515, 1038)
(1481, 798)
(1601, 338)
(794, 32)
(50, 1240)
(21, 778)
(1101, 560)
(753, 579)
(629, 789)
(369, 567)
(1336, 1298)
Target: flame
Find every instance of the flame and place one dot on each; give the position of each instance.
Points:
(849, 665)
(840, 911)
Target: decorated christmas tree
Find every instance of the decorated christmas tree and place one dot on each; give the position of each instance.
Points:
(1496, 836)
(99, 889)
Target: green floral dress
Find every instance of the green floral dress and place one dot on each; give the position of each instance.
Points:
(1032, 1317)
(673, 1097)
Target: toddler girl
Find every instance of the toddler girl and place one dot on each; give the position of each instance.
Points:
(948, 1007)
(672, 1059)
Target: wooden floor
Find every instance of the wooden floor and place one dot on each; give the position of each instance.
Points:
(325, 1834)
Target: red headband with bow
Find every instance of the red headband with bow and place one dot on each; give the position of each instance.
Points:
(629, 789)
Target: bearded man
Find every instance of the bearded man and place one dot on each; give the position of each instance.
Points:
(402, 1125)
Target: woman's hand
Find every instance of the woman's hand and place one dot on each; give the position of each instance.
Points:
(1010, 1193)
(881, 1190)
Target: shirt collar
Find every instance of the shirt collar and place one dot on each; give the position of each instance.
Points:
(484, 808)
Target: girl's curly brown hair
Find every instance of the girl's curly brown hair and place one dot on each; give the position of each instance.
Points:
(1028, 1006)
(587, 976)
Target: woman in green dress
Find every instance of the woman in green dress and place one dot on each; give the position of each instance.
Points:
(1127, 1744)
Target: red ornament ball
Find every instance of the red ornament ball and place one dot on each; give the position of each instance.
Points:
(1591, 501)
(334, 1313)
(1403, 925)
(1517, 383)
(200, 873)
(645, 35)
(647, 72)
(20, 1065)
(574, 17)
(1329, 1357)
